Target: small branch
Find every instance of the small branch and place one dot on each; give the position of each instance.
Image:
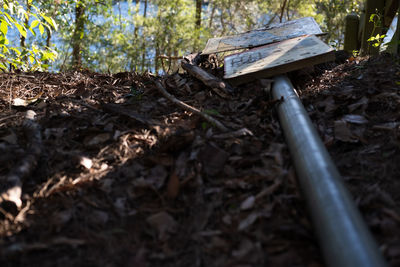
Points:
(282, 11)
(234, 134)
(169, 57)
(207, 78)
(185, 106)
(13, 188)
(194, 59)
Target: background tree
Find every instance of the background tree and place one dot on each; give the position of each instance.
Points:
(139, 35)
(24, 21)
(79, 33)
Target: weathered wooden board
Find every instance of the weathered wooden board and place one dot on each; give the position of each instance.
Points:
(277, 58)
(274, 33)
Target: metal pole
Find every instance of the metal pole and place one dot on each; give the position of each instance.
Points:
(342, 233)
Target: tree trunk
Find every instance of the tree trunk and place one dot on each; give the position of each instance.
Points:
(210, 22)
(144, 41)
(78, 35)
(26, 22)
(197, 24)
(282, 10)
(48, 42)
(156, 57)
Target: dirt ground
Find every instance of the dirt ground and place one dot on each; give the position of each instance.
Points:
(114, 174)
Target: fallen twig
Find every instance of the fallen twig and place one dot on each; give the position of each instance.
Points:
(8, 117)
(207, 78)
(13, 188)
(234, 134)
(185, 106)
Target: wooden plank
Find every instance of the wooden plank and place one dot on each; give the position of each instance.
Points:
(277, 58)
(275, 33)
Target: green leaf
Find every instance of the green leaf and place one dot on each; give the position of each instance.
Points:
(35, 49)
(21, 29)
(16, 51)
(50, 21)
(31, 59)
(10, 19)
(4, 27)
(34, 24)
(2, 66)
(41, 29)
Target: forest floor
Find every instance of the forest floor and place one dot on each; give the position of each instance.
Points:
(120, 176)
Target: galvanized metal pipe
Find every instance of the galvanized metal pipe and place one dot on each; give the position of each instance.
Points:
(343, 235)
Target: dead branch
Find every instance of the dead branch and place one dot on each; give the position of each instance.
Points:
(185, 106)
(13, 188)
(234, 134)
(169, 57)
(207, 78)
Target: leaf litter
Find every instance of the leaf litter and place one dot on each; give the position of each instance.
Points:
(131, 179)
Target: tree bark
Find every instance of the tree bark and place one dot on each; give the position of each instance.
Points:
(144, 41)
(282, 10)
(210, 22)
(78, 35)
(197, 24)
(26, 22)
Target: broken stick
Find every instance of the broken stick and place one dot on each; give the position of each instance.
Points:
(185, 106)
(207, 78)
(13, 188)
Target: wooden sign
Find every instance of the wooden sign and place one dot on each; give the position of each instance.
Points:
(272, 34)
(277, 58)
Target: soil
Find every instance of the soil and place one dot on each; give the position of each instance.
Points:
(114, 174)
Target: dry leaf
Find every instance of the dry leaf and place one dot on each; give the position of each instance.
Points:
(173, 186)
(213, 159)
(248, 203)
(97, 139)
(62, 217)
(98, 217)
(10, 138)
(356, 119)
(244, 224)
(157, 176)
(343, 133)
(328, 104)
(86, 162)
(163, 223)
(19, 102)
(245, 247)
(362, 103)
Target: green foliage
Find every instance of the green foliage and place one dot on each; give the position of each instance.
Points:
(356, 53)
(147, 34)
(14, 16)
(376, 40)
(331, 15)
